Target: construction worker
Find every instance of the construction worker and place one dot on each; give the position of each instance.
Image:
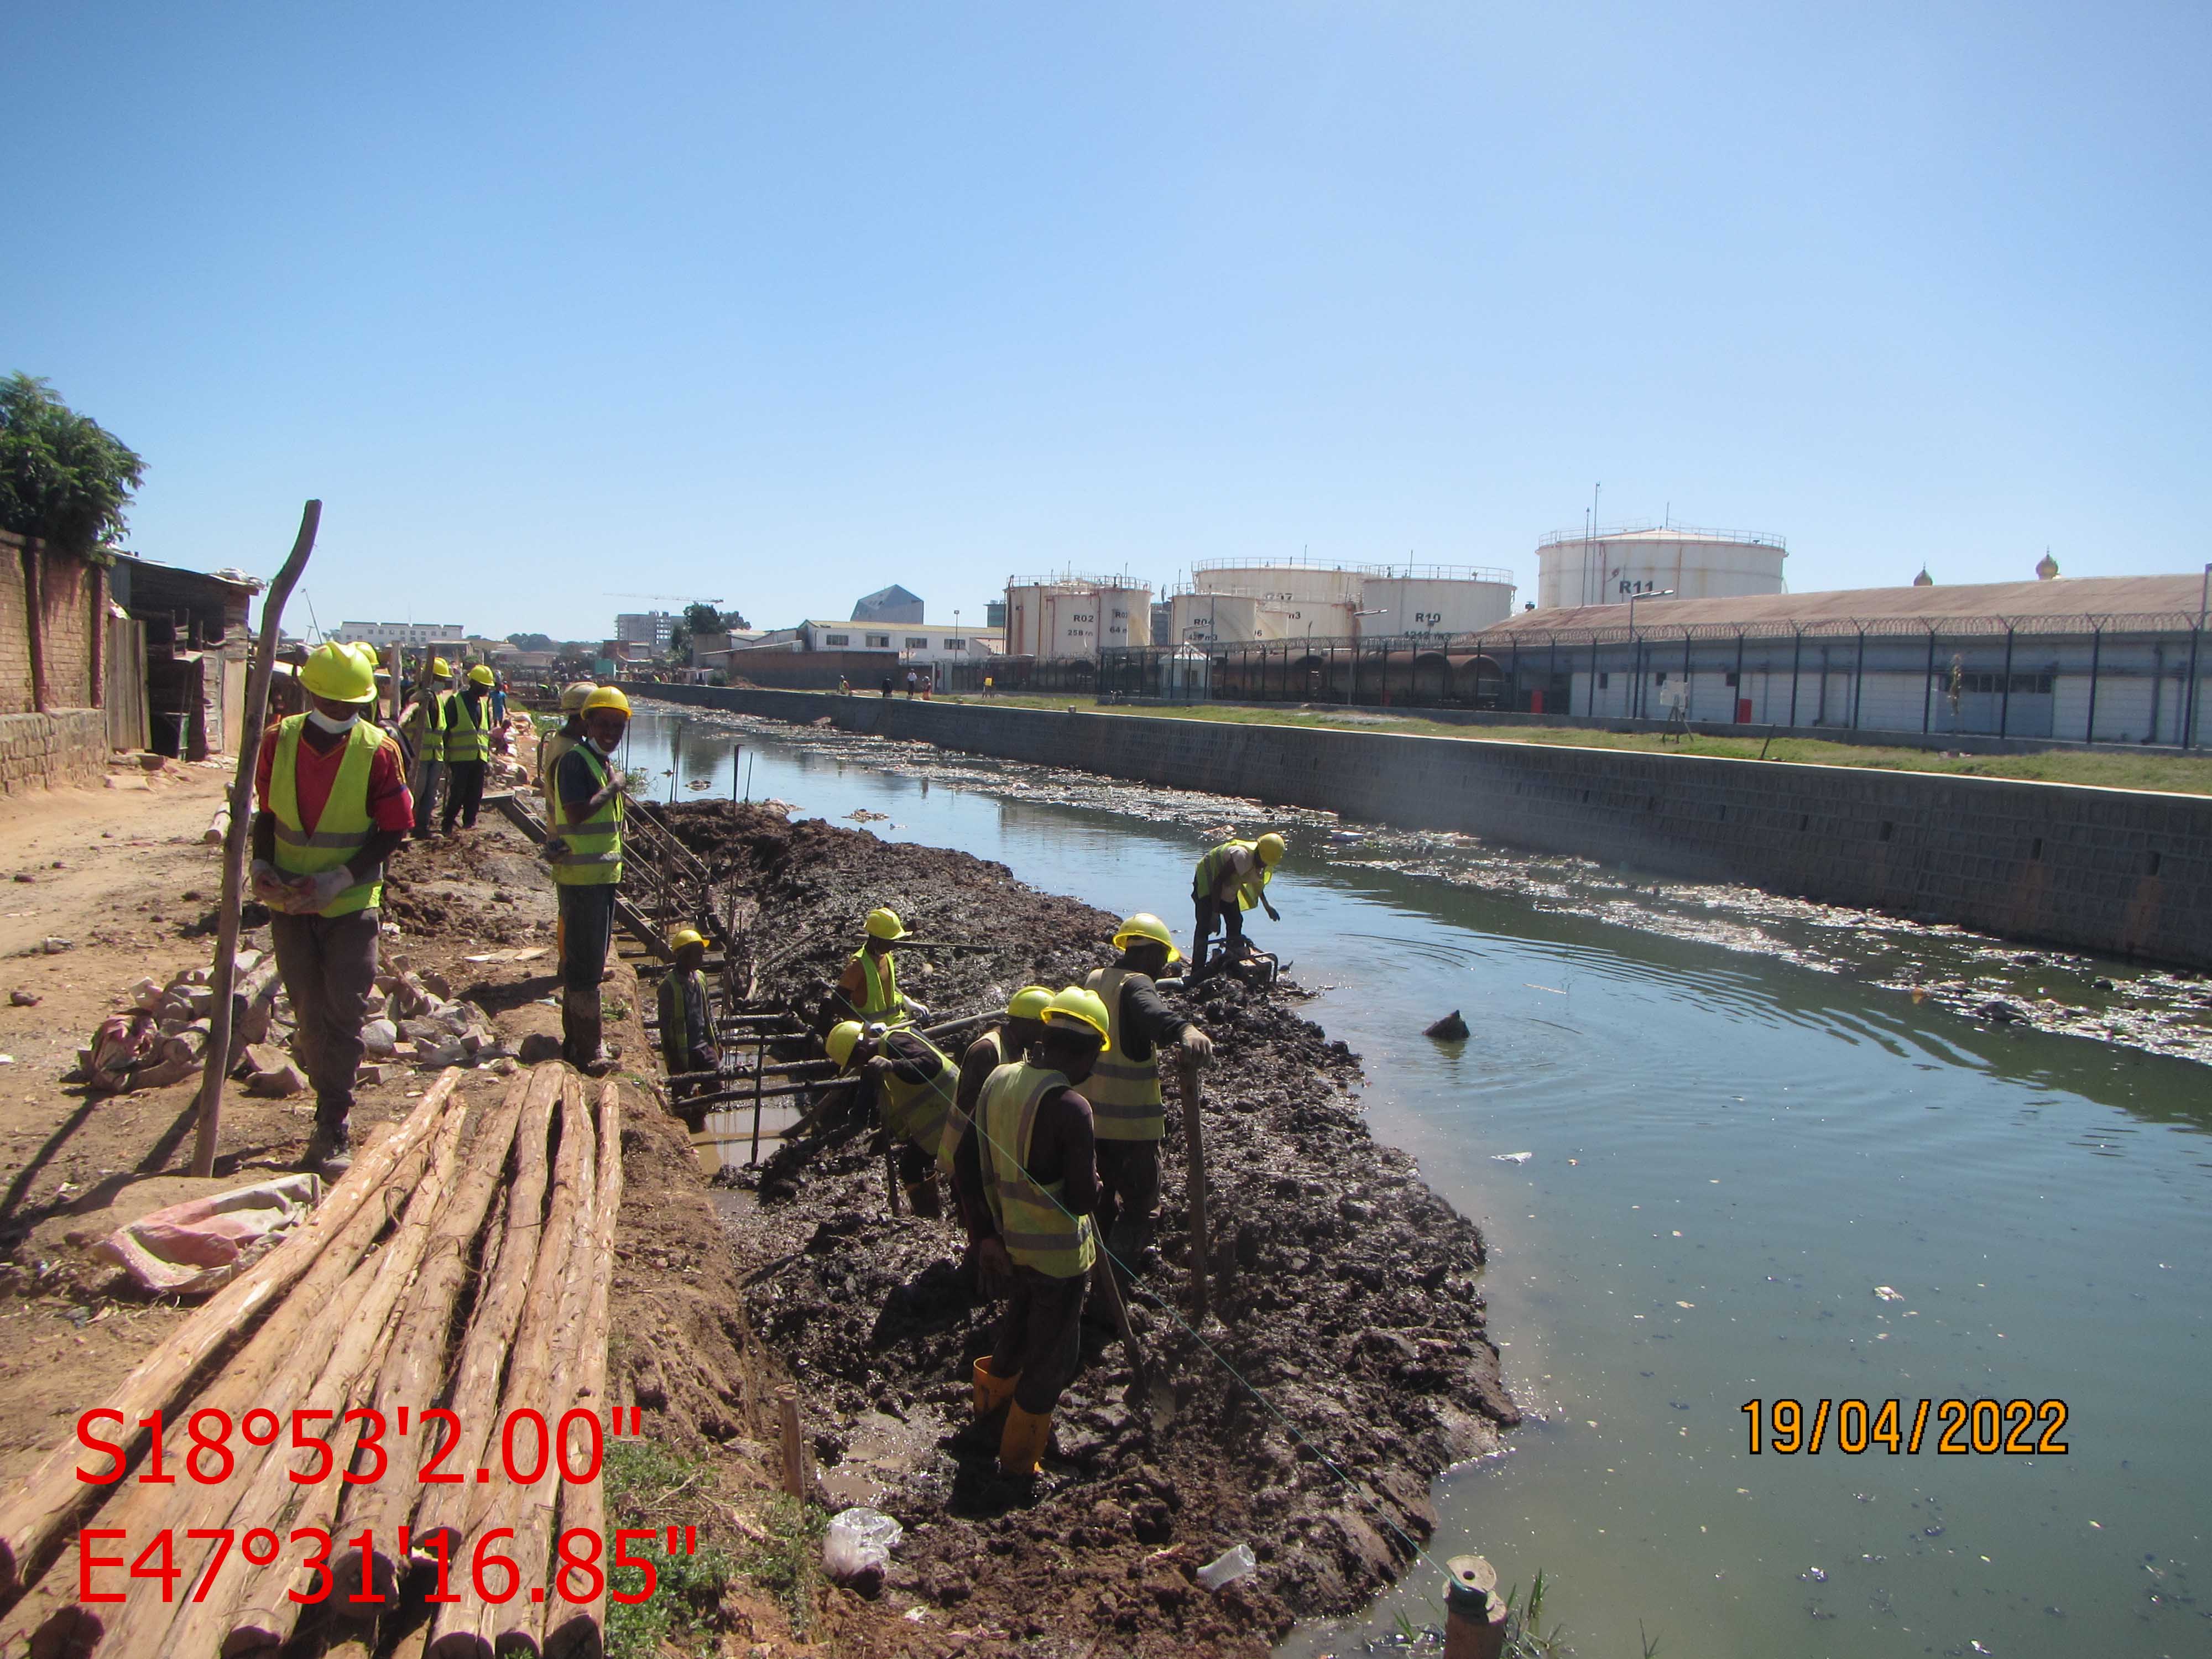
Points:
(844, 686)
(1230, 880)
(913, 1081)
(1124, 1089)
(333, 805)
(468, 747)
(868, 989)
(1027, 1181)
(423, 720)
(1001, 1045)
(687, 1018)
(563, 738)
(584, 850)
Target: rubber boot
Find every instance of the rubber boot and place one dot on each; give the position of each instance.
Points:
(922, 1198)
(992, 1390)
(1021, 1448)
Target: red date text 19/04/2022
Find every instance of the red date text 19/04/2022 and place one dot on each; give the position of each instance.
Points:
(526, 1445)
(578, 1575)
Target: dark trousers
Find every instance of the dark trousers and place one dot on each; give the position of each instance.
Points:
(427, 774)
(587, 928)
(1210, 914)
(1128, 1198)
(1040, 1336)
(465, 793)
(328, 968)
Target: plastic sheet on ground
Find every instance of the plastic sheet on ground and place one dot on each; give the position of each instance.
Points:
(205, 1243)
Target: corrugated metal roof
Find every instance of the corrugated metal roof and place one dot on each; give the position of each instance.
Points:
(1974, 606)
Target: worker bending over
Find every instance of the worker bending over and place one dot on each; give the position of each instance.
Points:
(560, 740)
(1230, 880)
(687, 1019)
(868, 989)
(584, 850)
(1027, 1179)
(1124, 1089)
(468, 748)
(911, 1080)
(333, 805)
(423, 722)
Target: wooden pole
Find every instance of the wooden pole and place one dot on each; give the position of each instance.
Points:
(1140, 1378)
(240, 838)
(760, 1064)
(1474, 1613)
(1193, 1145)
(794, 1452)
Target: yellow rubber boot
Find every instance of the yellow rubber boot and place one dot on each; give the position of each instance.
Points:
(992, 1391)
(1021, 1448)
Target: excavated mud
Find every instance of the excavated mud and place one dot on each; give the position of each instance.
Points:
(1346, 1296)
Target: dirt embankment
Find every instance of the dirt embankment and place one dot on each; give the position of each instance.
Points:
(1345, 1287)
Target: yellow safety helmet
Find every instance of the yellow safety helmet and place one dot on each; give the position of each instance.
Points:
(842, 1038)
(438, 667)
(480, 675)
(1075, 1007)
(607, 697)
(1146, 925)
(340, 673)
(1029, 1003)
(572, 700)
(1270, 848)
(683, 936)
(885, 925)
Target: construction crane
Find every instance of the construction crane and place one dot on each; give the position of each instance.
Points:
(687, 599)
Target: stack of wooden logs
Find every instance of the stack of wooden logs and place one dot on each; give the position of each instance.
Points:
(463, 1261)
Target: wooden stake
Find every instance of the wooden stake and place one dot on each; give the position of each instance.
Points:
(240, 838)
(1140, 1371)
(1193, 1147)
(794, 1452)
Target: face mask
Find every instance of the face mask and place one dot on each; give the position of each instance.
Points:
(324, 723)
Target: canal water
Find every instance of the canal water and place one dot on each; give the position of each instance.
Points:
(1707, 1177)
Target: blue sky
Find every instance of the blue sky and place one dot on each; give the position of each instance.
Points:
(782, 303)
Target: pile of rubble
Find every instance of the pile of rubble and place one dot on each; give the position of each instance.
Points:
(414, 1019)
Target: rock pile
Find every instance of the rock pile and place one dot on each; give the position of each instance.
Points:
(414, 1019)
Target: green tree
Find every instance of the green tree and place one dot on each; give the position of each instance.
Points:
(64, 477)
(531, 641)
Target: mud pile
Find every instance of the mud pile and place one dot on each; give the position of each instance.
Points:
(1345, 1289)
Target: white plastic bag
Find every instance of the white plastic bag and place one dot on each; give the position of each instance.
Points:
(859, 1541)
(1226, 1567)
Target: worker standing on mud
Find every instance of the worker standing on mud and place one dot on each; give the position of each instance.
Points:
(687, 1020)
(468, 748)
(1028, 1180)
(333, 807)
(913, 1081)
(1124, 1089)
(868, 989)
(586, 851)
(424, 721)
(1230, 880)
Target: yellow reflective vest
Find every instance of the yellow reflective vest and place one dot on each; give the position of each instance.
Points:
(879, 996)
(918, 1112)
(1036, 1228)
(593, 854)
(1209, 872)
(465, 740)
(344, 827)
(1124, 1093)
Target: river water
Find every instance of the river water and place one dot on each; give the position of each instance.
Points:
(1750, 1174)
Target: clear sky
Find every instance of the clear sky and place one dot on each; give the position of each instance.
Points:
(781, 303)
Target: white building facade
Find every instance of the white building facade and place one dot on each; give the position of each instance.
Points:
(405, 633)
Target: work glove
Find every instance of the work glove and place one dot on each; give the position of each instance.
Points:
(554, 847)
(1196, 1043)
(268, 886)
(320, 889)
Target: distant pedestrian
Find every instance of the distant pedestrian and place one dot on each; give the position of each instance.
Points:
(844, 686)
(887, 685)
(928, 685)
(912, 680)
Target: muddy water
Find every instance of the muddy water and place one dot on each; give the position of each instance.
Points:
(1736, 1131)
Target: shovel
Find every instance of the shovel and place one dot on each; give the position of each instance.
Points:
(1146, 1392)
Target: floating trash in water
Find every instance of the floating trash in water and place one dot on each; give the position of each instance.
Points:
(1814, 1576)
(1887, 1294)
(1510, 1158)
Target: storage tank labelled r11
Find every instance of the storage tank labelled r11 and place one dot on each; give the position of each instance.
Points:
(1574, 569)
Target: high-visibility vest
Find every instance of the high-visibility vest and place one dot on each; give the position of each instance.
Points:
(432, 705)
(344, 827)
(594, 852)
(1033, 1224)
(1124, 1093)
(918, 1112)
(880, 993)
(551, 747)
(1209, 872)
(464, 739)
(681, 992)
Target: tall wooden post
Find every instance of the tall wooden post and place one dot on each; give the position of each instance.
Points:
(1193, 1145)
(1475, 1613)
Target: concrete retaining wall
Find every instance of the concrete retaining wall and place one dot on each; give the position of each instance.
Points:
(69, 746)
(2124, 871)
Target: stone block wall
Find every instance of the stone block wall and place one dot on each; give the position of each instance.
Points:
(66, 747)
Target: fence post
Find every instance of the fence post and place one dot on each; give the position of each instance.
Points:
(1474, 1616)
(1736, 703)
(1858, 680)
(2096, 652)
(1928, 691)
(1796, 657)
(2004, 702)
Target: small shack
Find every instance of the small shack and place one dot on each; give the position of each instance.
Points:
(191, 628)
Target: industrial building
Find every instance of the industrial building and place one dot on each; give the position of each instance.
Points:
(402, 634)
(653, 629)
(1070, 616)
(1231, 601)
(1576, 568)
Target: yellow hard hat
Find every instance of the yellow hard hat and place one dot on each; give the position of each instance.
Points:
(607, 697)
(1029, 1003)
(340, 673)
(841, 1041)
(885, 924)
(1146, 925)
(438, 667)
(572, 700)
(1270, 848)
(480, 675)
(683, 936)
(1075, 1007)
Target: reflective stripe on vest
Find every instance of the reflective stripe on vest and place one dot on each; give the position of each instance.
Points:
(464, 739)
(593, 854)
(1035, 1230)
(879, 991)
(432, 705)
(1209, 873)
(344, 827)
(1124, 1093)
(917, 1112)
(683, 1016)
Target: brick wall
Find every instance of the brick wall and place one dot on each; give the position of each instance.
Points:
(2127, 873)
(51, 751)
(73, 595)
(15, 633)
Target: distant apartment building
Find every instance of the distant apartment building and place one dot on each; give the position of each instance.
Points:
(653, 629)
(912, 642)
(406, 634)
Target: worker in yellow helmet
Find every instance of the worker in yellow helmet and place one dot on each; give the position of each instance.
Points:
(563, 738)
(468, 747)
(687, 1014)
(1027, 1174)
(1004, 1044)
(333, 804)
(1230, 880)
(868, 989)
(423, 725)
(584, 849)
(1124, 1089)
(910, 1084)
